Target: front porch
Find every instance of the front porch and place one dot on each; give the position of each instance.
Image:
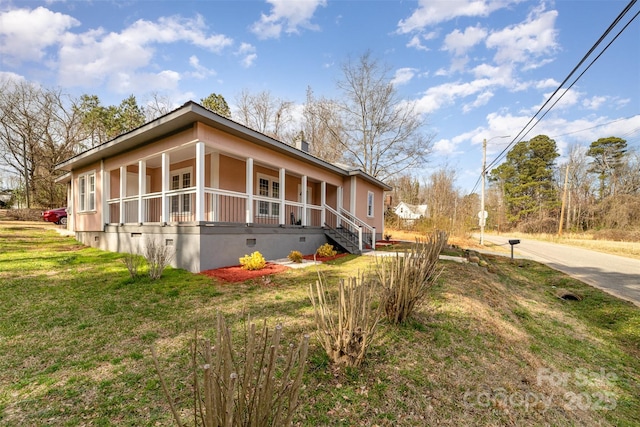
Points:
(200, 186)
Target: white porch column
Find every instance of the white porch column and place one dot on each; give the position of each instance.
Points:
(249, 190)
(339, 192)
(166, 178)
(282, 220)
(105, 181)
(352, 197)
(304, 200)
(123, 191)
(323, 202)
(215, 183)
(142, 189)
(71, 204)
(200, 168)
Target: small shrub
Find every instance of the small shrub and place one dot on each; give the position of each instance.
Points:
(255, 261)
(387, 237)
(158, 256)
(133, 262)
(258, 385)
(346, 327)
(407, 278)
(326, 250)
(295, 256)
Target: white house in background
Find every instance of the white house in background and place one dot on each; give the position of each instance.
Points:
(411, 212)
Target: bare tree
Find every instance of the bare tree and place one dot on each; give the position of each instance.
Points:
(406, 189)
(581, 188)
(317, 114)
(157, 105)
(37, 131)
(442, 198)
(377, 130)
(629, 174)
(266, 114)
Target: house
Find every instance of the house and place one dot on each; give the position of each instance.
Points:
(411, 212)
(216, 190)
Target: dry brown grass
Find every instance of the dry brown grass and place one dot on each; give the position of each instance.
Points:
(587, 241)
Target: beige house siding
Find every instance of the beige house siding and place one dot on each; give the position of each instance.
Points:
(211, 219)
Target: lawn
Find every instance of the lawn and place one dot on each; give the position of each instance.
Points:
(493, 345)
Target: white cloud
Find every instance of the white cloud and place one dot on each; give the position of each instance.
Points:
(7, 76)
(416, 42)
(200, 71)
(403, 76)
(127, 83)
(482, 99)
(563, 98)
(595, 102)
(526, 42)
(459, 42)
(287, 16)
(248, 54)
(418, 39)
(444, 147)
(547, 83)
(26, 34)
(446, 94)
(93, 57)
(431, 12)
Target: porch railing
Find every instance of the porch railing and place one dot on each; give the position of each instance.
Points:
(220, 206)
(347, 228)
(225, 206)
(368, 232)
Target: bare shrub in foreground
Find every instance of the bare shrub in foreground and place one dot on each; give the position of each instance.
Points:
(133, 262)
(158, 256)
(256, 386)
(346, 327)
(406, 278)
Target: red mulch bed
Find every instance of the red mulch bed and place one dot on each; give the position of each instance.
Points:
(236, 273)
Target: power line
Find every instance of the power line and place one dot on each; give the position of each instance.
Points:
(596, 126)
(522, 132)
(578, 78)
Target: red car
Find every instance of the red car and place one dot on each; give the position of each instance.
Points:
(57, 216)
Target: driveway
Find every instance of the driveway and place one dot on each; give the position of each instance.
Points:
(614, 274)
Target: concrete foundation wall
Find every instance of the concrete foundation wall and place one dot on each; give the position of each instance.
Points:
(204, 247)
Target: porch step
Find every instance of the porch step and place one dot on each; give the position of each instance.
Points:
(344, 239)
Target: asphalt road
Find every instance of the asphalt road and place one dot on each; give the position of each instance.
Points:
(614, 274)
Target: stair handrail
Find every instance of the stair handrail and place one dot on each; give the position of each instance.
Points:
(372, 230)
(349, 222)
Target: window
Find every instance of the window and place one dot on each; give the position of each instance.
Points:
(268, 187)
(181, 179)
(87, 192)
(370, 204)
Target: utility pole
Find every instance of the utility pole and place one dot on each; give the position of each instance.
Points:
(481, 215)
(564, 198)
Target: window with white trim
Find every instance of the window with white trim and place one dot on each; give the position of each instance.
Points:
(180, 179)
(87, 192)
(268, 186)
(370, 204)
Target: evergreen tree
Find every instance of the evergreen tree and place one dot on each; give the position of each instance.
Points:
(217, 104)
(608, 155)
(526, 178)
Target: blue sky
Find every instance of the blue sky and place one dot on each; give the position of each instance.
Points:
(476, 68)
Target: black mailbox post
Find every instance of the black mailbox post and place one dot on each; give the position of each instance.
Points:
(513, 242)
